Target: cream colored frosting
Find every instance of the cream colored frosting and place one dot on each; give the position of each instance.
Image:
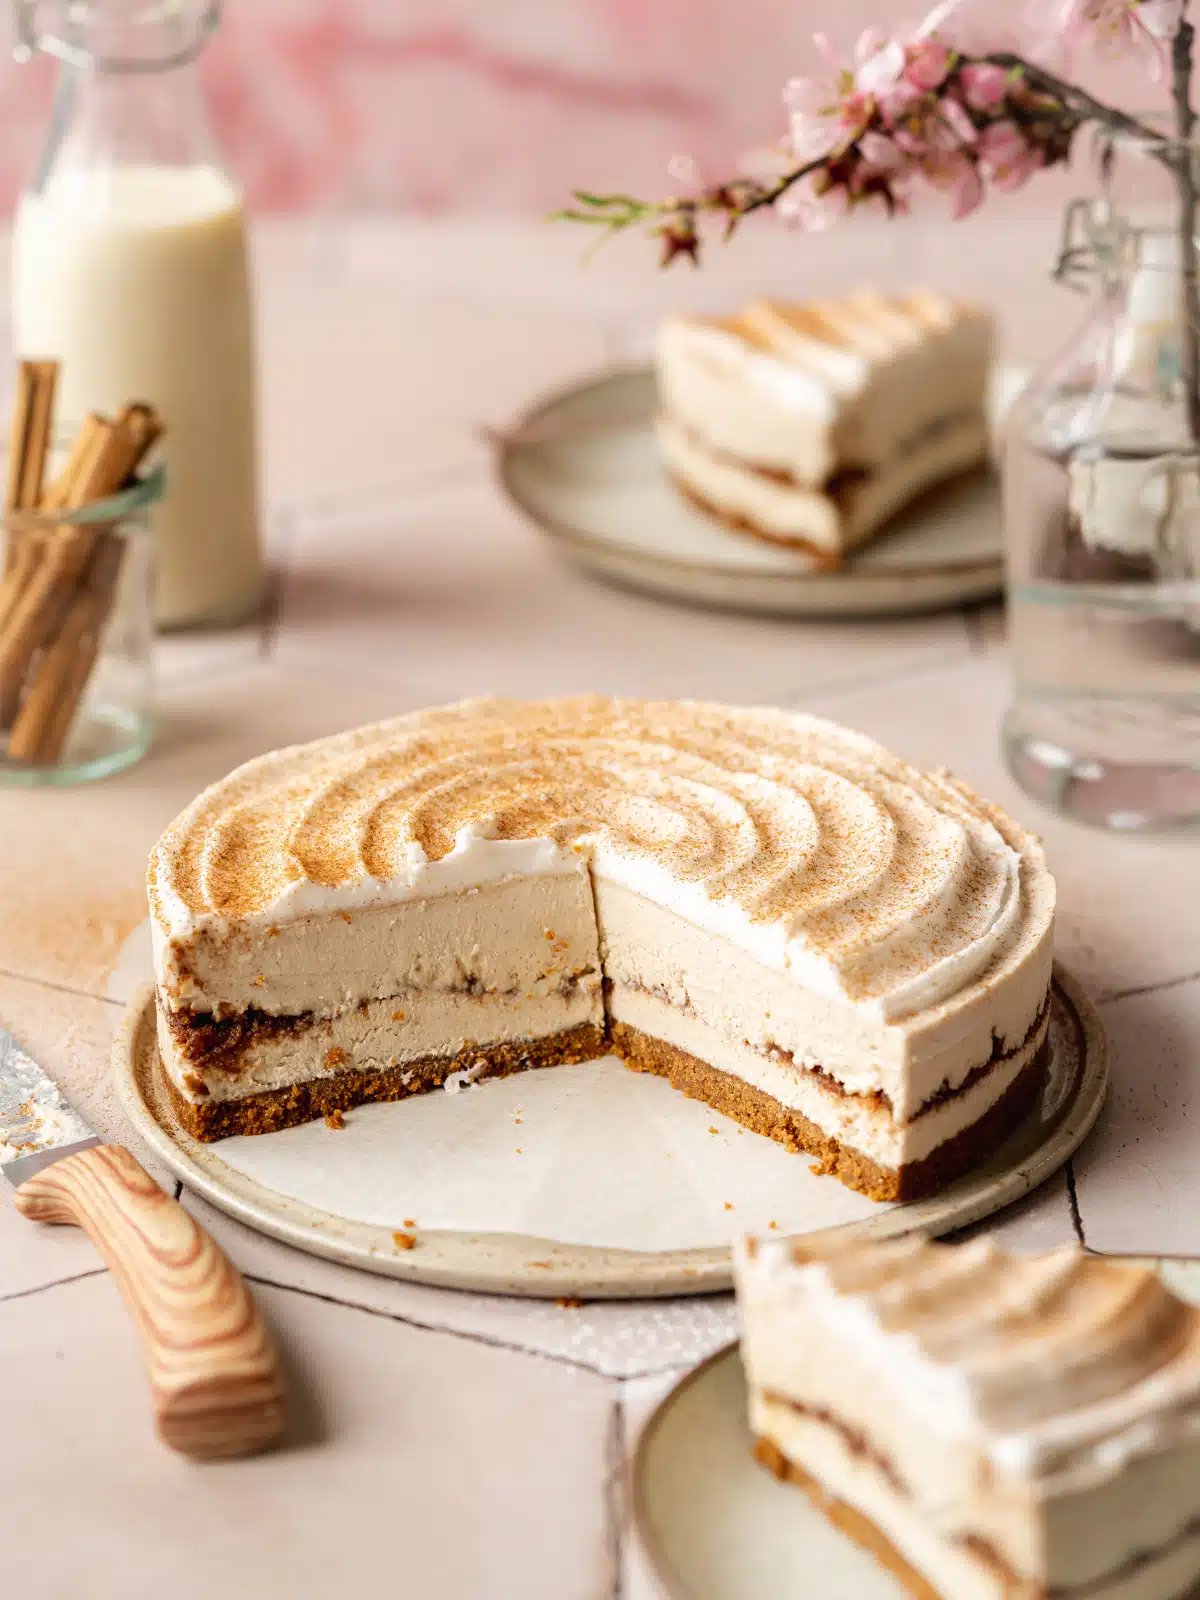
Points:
(807, 845)
(1060, 1364)
(809, 390)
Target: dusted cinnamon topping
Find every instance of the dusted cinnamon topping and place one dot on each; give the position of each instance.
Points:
(1050, 1360)
(806, 844)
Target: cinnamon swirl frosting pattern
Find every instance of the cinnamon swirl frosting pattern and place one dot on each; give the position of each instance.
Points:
(808, 846)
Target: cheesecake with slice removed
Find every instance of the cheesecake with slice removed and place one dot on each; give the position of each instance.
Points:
(812, 425)
(836, 949)
(989, 1427)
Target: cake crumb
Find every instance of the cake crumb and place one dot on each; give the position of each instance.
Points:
(713, 1130)
(411, 1222)
(397, 1016)
(336, 1057)
(260, 980)
(345, 916)
(545, 1265)
(335, 1118)
(517, 1120)
(729, 1205)
(772, 1224)
(550, 935)
(272, 932)
(518, 1149)
(568, 1302)
(465, 1077)
(404, 1241)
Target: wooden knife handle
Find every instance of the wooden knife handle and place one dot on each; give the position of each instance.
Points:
(213, 1368)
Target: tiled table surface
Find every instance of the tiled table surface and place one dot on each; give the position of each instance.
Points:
(452, 1445)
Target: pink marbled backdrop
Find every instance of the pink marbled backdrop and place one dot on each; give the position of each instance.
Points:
(435, 105)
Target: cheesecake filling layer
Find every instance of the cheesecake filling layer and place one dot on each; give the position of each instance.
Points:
(839, 1465)
(825, 521)
(862, 1123)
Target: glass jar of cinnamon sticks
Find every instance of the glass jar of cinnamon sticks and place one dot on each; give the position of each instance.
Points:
(76, 593)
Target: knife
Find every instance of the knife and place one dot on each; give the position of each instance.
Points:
(213, 1368)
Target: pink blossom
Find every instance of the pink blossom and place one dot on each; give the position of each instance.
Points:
(957, 173)
(880, 153)
(1006, 158)
(985, 87)
(828, 111)
(1113, 26)
(927, 61)
(889, 76)
(812, 212)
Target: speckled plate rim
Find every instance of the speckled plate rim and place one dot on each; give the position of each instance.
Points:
(515, 1264)
(783, 591)
(639, 1469)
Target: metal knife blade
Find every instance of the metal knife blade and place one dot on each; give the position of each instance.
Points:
(37, 1126)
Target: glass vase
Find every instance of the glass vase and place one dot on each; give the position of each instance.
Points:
(1102, 522)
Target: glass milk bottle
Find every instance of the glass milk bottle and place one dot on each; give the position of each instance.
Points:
(130, 266)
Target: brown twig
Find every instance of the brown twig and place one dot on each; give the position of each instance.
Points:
(1185, 177)
(1085, 106)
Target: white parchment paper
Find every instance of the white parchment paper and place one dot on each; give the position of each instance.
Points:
(588, 1154)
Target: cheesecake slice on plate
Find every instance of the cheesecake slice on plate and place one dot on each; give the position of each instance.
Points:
(811, 425)
(989, 1427)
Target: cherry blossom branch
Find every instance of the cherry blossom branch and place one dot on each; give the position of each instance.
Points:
(903, 111)
(1085, 106)
(674, 220)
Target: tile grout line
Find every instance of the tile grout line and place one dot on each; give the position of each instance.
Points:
(1073, 1201)
(431, 482)
(615, 1493)
(1148, 988)
(950, 655)
(571, 1362)
(59, 988)
(58, 1283)
(286, 518)
(972, 622)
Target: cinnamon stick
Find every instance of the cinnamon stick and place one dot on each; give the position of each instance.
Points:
(29, 436)
(29, 440)
(48, 710)
(103, 457)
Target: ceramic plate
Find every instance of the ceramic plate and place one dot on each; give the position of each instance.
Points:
(586, 1180)
(588, 474)
(717, 1526)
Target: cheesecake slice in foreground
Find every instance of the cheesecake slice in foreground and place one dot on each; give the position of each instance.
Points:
(989, 1427)
(812, 425)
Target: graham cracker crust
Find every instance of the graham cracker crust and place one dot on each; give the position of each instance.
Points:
(823, 560)
(762, 1113)
(274, 1109)
(848, 1519)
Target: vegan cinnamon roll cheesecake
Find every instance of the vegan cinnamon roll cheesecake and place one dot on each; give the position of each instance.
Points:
(839, 951)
